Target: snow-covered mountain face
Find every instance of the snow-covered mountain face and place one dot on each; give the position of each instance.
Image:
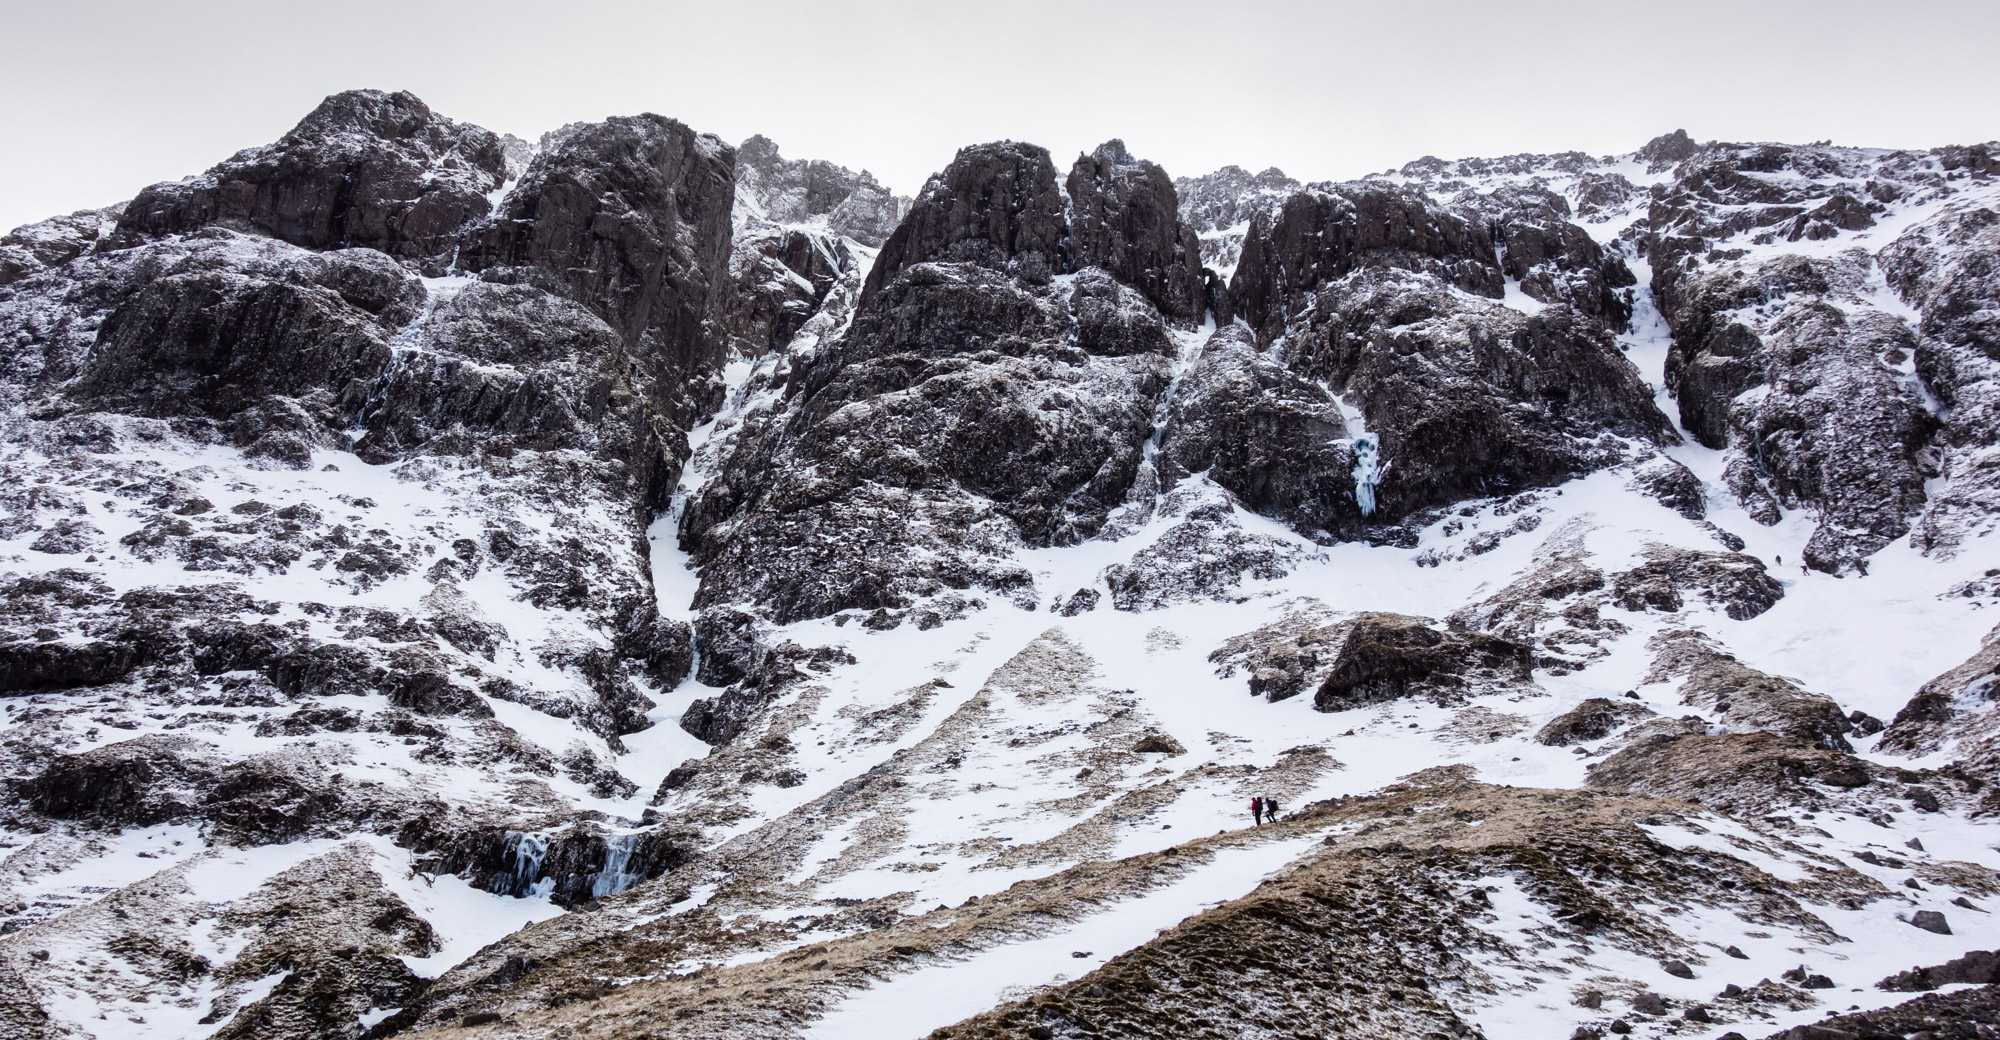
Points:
(629, 585)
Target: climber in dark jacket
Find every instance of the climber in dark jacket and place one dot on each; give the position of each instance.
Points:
(1271, 808)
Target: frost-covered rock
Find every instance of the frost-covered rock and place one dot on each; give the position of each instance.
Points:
(365, 169)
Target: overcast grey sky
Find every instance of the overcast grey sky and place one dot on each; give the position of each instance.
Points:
(102, 98)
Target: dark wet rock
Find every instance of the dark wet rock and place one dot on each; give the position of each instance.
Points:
(29, 667)
(224, 324)
(140, 782)
(1389, 657)
(631, 218)
(1930, 921)
(736, 652)
(365, 169)
(1594, 719)
(1752, 492)
(1125, 218)
(1321, 236)
(574, 864)
(1370, 658)
(997, 205)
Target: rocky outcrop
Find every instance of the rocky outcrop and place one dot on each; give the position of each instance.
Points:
(1979, 968)
(1949, 269)
(997, 205)
(1321, 236)
(1124, 218)
(1733, 582)
(365, 169)
(1370, 658)
(1467, 399)
(1219, 208)
(974, 403)
(1956, 710)
(1274, 439)
(571, 865)
(1742, 697)
(215, 326)
(631, 218)
(1822, 403)
(737, 654)
(1552, 259)
(945, 421)
(1794, 357)
(1207, 553)
(1593, 720)
(1750, 773)
(814, 192)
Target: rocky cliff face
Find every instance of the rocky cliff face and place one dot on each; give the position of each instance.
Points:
(796, 602)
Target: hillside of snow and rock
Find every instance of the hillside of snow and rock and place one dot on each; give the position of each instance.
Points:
(627, 585)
